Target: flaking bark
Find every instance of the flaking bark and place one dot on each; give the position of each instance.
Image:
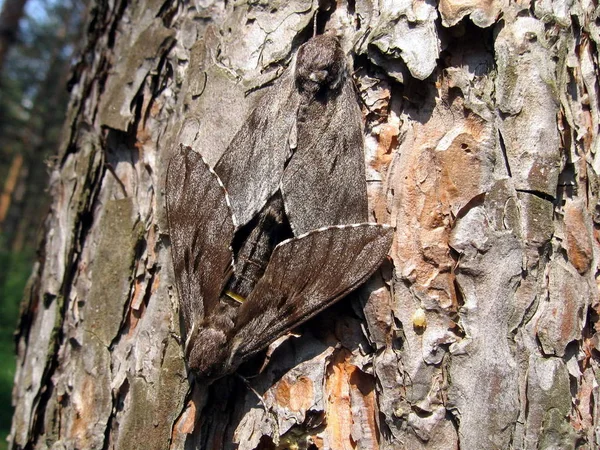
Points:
(482, 150)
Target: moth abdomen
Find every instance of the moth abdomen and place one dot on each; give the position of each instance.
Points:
(253, 245)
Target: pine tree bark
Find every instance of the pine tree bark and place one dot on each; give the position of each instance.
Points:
(482, 150)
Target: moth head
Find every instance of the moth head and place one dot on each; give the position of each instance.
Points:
(320, 64)
(207, 354)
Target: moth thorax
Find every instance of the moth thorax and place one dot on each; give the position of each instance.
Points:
(320, 64)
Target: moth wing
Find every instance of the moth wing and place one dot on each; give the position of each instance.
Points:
(304, 276)
(201, 227)
(252, 166)
(324, 182)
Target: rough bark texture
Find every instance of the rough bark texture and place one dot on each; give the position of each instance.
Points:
(482, 150)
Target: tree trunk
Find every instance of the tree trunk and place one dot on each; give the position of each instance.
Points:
(28, 209)
(482, 150)
(9, 185)
(12, 11)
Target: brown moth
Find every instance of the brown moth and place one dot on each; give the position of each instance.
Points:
(278, 230)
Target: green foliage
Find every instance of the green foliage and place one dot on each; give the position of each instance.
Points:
(16, 267)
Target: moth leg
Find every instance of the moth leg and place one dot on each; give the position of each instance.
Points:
(177, 337)
(274, 346)
(247, 383)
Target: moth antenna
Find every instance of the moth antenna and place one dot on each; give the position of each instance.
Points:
(361, 39)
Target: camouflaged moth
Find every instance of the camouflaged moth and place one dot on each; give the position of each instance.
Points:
(278, 230)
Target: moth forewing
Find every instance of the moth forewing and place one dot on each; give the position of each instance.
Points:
(201, 228)
(324, 182)
(253, 163)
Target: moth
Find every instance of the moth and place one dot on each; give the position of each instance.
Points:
(278, 231)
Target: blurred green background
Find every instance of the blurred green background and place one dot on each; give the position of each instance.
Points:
(39, 42)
